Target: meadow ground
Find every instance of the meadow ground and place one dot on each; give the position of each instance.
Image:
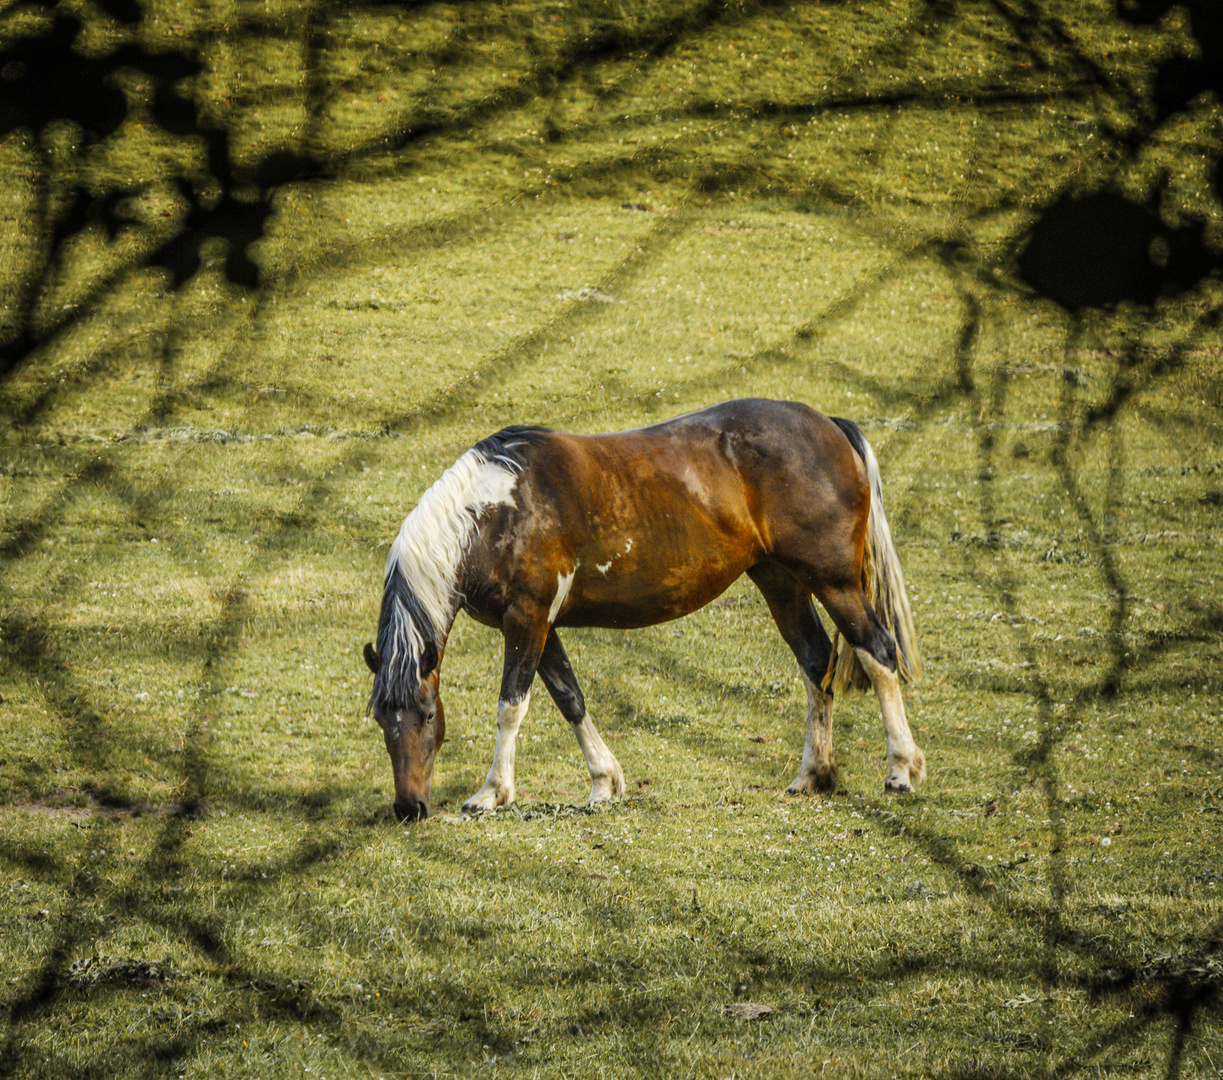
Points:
(591, 220)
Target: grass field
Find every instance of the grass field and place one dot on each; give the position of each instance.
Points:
(594, 216)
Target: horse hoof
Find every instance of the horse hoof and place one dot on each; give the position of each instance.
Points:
(821, 781)
(892, 788)
(811, 786)
(607, 789)
(479, 805)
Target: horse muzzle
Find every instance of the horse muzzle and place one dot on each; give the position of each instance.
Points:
(410, 809)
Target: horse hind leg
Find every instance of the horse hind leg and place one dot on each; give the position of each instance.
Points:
(817, 772)
(790, 605)
(606, 776)
(875, 649)
(906, 762)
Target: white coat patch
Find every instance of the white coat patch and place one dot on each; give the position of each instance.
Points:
(564, 582)
(694, 483)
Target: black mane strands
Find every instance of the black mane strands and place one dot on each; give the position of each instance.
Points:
(510, 446)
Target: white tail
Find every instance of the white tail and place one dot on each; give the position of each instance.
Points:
(884, 585)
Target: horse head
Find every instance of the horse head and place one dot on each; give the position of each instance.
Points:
(414, 727)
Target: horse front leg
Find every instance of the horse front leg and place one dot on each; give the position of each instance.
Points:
(498, 787)
(524, 639)
(606, 776)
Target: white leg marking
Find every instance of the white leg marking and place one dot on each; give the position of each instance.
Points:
(906, 763)
(817, 771)
(564, 582)
(606, 776)
(498, 788)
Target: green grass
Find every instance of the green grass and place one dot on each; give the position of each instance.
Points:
(593, 219)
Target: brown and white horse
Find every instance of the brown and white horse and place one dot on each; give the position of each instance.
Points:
(532, 530)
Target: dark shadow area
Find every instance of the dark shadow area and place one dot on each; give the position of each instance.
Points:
(1102, 249)
(52, 79)
(1182, 78)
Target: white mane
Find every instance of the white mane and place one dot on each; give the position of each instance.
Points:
(435, 536)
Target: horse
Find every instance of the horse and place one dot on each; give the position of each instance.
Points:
(534, 530)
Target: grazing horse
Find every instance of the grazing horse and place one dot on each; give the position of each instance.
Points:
(532, 530)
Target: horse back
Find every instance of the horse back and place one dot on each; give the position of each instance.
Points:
(636, 527)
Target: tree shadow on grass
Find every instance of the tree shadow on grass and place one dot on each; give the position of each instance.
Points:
(1083, 251)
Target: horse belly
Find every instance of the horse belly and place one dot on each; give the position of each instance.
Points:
(631, 529)
(641, 584)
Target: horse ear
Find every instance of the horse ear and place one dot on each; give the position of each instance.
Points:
(372, 660)
(428, 660)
